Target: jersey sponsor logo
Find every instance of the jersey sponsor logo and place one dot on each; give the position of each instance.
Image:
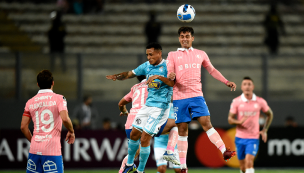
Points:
(154, 84)
(186, 66)
(43, 97)
(180, 57)
(248, 113)
(43, 138)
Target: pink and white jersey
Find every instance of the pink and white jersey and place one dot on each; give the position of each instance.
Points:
(138, 96)
(243, 107)
(44, 109)
(186, 64)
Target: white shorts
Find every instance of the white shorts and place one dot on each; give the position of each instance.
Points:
(158, 153)
(150, 119)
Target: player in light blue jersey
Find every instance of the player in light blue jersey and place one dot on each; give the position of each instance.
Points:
(160, 145)
(155, 112)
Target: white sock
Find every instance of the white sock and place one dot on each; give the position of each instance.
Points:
(249, 170)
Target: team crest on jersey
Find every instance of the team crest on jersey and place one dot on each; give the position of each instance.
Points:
(256, 105)
(161, 69)
(138, 121)
(154, 84)
(198, 56)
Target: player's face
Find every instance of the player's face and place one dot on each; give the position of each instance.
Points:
(185, 39)
(154, 56)
(247, 87)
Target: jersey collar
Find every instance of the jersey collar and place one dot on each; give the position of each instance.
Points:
(184, 49)
(244, 99)
(45, 91)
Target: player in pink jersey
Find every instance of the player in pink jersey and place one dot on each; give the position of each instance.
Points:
(48, 111)
(245, 112)
(184, 66)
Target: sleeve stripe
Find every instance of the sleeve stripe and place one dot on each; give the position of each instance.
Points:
(133, 72)
(27, 115)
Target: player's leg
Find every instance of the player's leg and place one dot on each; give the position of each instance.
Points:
(251, 150)
(241, 148)
(242, 166)
(34, 163)
(182, 118)
(199, 111)
(249, 163)
(144, 151)
(161, 169)
(159, 150)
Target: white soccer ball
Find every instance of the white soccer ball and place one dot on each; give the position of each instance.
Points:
(186, 13)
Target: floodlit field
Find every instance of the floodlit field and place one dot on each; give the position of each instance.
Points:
(190, 171)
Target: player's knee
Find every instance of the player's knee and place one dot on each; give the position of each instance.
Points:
(161, 169)
(135, 135)
(182, 130)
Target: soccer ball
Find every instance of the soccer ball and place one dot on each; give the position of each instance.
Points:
(186, 13)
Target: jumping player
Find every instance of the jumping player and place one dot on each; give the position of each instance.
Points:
(48, 111)
(184, 66)
(155, 112)
(244, 112)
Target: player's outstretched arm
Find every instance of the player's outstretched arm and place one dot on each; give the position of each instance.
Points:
(121, 76)
(268, 121)
(70, 137)
(122, 107)
(233, 121)
(24, 127)
(163, 79)
(218, 75)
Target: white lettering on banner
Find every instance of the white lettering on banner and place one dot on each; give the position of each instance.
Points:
(5, 150)
(105, 146)
(296, 147)
(123, 150)
(81, 150)
(67, 152)
(22, 151)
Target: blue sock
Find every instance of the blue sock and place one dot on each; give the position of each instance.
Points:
(143, 158)
(132, 148)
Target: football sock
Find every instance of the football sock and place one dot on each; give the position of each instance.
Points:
(216, 139)
(173, 138)
(249, 170)
(143, 158)
(182, 146)
(124, 161)
(132, 148)
(241, 171)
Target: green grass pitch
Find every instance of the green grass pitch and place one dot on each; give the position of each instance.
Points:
(171, 171)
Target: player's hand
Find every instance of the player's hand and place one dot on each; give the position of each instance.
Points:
(244, 119)
(70, 138)
(124, 114)
(172, 76)
(264, 135)
(151, 79)
(232, 85)
(112, 77)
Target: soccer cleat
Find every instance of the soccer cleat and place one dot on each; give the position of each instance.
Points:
(184, 170)
(171, 158)
(137, 172)
(228, 154)
(129, 169)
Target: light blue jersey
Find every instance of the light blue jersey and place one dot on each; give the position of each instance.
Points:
(159, 93)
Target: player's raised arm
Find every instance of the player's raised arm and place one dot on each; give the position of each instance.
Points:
(216, 74)
(70, 137)
(121, 76)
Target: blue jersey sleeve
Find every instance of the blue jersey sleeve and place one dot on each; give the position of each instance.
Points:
(141, 70)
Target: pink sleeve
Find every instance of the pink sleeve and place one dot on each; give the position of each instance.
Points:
(170, 64)
(233, 107)
(264, 105)
(26, 111)
(212, 71)
(128, 97)
(62, 105)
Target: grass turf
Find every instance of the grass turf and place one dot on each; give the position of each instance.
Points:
(171, 171)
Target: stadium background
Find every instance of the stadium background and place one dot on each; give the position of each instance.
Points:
(113, 40)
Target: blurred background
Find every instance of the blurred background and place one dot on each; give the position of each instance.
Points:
(82, 41)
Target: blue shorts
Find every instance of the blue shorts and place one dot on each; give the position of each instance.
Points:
(246, 146)
(39, 163)
(128, 131)
(195, 106)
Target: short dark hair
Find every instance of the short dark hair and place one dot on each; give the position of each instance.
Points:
(86, 97)
(184, 29)
(141, 77)
(247, 78)
(154, 45)
(45, 79)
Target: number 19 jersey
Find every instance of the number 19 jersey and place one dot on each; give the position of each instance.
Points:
(44, 110)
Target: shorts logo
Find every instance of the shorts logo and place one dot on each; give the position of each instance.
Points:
(138, 121)
(31, 166)
(49, 166)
